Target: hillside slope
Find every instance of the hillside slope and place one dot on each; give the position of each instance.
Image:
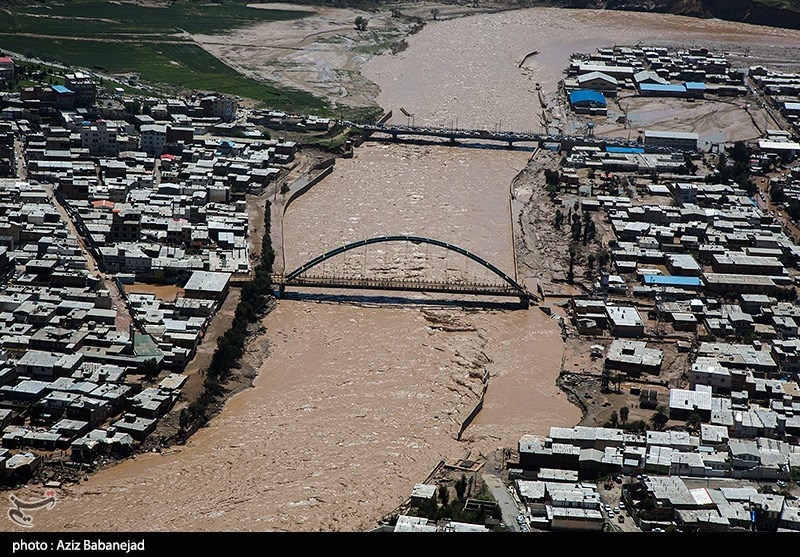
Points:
(773, 13)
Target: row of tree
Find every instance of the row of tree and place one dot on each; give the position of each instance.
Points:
(230, 348)
(657, 421)
(447, 507)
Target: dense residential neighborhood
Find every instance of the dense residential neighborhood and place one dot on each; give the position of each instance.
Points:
(99, 198)
(697, 264)
(696, 256)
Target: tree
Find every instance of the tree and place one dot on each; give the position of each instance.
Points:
(149, 368)
(571, 267)
(576, 227)
(613, 420)
(776, 192)
(623, 414)
(660, 417)
(638, 426)
(739, 152)
(551, 177)
(589, 230)
(693, 421)
(688, 165)
(444, 495)
(602, 258)
(605, 379)
(361, 23)
(793, 210)
(559, 219)
(461, 486)
(435, 13)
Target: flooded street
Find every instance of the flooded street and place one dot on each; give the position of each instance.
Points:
(357, 401)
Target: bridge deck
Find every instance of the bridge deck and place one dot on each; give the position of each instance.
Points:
(401, 285)
(508, 137)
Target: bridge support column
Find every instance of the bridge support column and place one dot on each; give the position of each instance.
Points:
(525, 302)
(281, 290)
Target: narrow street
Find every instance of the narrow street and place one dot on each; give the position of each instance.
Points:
(123, 319)
(508, 504)
(765, 203)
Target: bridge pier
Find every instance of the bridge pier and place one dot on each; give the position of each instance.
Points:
(525, 302)
(281, 290)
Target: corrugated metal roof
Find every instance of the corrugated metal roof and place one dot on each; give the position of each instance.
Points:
(627, 150)
(658, 87)
(61, 89)
(587, 96)
(671, 280)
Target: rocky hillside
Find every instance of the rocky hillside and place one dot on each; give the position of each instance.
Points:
(774, 13)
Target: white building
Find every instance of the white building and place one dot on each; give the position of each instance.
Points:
(99, 137)
(153, 138)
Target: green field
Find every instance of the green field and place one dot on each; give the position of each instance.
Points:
(104, 19)
(115, 38)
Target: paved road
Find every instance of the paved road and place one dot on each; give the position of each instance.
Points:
(504, 498)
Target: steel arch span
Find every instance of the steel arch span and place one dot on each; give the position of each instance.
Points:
(414, 239)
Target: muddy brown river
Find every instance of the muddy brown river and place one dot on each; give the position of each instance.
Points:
(361, 396)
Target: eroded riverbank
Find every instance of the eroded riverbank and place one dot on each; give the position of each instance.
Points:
(356, 403)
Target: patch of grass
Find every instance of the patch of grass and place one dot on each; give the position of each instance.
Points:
(359, 114)
(378, 42)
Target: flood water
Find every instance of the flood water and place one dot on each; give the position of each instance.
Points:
(360, 397)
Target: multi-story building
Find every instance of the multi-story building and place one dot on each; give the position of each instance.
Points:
(83, 86)
(153, 137)
(99, 137)
(125, 226)
(219, 107)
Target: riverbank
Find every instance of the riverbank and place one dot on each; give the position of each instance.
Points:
(353, 404)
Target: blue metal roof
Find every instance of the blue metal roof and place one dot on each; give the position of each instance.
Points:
(671, 280)
(658, 87)
(587, 96)
(626, 150)
(61, 89)
(695, 85)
